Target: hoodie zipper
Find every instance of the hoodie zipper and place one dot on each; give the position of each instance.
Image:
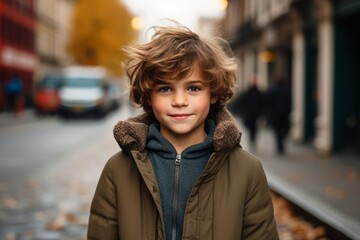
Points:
(176, 194)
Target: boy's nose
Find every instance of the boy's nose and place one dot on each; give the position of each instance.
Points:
(179, 99)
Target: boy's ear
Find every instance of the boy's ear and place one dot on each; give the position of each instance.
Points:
(214, 99)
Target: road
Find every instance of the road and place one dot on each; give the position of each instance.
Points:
(48, 172)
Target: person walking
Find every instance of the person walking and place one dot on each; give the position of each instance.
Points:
(278, 101)
(251, 107)
(13, 90)
(181, 172)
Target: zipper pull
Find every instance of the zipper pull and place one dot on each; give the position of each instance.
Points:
(178, 159)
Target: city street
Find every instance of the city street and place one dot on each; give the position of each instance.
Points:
(48, 172)
(49, 169)
(296, 80)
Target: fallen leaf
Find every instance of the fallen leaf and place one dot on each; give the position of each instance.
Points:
(335, 192)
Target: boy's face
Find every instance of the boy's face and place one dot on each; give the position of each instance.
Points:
(181, 107)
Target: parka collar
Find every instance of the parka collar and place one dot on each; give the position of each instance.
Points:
(131, 134)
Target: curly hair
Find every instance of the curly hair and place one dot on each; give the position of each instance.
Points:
(171, 54)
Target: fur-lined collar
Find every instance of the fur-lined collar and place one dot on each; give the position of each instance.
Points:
(132, 133)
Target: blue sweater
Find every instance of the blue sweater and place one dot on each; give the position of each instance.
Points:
(193, 160)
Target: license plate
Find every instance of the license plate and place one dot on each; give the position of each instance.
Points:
(78, 108)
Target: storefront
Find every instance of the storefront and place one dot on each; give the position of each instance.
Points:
(315, 45)
(346, 75)
(17, 54)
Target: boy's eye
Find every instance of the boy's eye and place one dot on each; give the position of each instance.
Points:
(164, 89)
(194, 88)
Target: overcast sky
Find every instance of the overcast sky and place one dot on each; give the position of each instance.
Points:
(186, 12)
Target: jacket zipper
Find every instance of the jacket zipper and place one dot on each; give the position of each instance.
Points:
(176, 194)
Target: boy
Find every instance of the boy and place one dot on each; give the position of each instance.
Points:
(182, 173)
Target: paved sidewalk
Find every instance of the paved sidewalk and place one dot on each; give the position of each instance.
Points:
(328, 187)
(53, 202)
(8, 119)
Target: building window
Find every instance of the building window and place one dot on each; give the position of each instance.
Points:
(16, 35)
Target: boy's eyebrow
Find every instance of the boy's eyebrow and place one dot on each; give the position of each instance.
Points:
(195, 81)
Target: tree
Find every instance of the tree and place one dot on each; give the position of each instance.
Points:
(99, 29)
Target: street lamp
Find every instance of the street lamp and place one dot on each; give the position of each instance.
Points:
(137, 23)
(267, 56)
(223, 4)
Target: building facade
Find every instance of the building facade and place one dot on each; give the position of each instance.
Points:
(17, 51)
(33, 39)
(53, 18)
(312, 44)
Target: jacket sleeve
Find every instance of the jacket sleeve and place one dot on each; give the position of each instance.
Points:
(103, 223)
(259, 221)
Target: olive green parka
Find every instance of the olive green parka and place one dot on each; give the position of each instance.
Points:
(229, 201)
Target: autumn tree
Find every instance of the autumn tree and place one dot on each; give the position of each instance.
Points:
(99, 29)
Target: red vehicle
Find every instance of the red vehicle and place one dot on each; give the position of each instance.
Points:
(46, 94)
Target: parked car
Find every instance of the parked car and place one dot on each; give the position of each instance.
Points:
(115, 95)
(84, 90)
(47, 94)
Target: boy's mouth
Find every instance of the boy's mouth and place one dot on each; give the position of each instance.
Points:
(180, 116)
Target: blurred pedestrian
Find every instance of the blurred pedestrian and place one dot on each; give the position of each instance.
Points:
(181, 172)
(13, 91)
(278, 107)
(251, 106)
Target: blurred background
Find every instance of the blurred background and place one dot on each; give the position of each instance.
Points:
(62, 89)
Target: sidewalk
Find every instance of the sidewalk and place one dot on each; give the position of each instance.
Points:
(8, 119)
(328, 187)
(53, 201)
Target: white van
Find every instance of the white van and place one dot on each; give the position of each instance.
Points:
(84, 91)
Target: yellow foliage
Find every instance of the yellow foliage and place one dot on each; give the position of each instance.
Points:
(99, 29)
